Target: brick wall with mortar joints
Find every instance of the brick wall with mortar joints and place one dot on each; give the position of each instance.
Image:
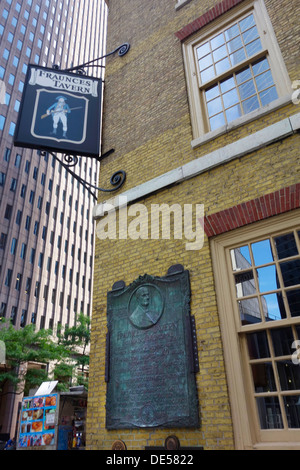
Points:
(269, 169)
(132, 258)
(162, 103)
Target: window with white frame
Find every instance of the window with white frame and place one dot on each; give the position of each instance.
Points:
(234, 68)
(257, 271)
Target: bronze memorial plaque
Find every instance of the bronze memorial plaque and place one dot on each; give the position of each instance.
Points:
(151, 356)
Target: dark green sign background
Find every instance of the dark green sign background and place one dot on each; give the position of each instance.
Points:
(151, 382)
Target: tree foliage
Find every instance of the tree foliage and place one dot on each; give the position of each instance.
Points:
(65, 353)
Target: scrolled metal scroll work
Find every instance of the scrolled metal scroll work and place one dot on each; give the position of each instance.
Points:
(122, 50)
(116, 180)
(70, 160)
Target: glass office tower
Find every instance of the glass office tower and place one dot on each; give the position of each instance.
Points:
(46, 226)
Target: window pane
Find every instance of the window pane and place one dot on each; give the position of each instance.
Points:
(243, 75)
(217, 41)
(292, 409)
(240, 258)
(293, 297)
(263, 377)
(237, 57)
(262, 252)
(260, 66)
(253, 47)
(230, 98)
(251, 34)
(258, 347)
(205, 62)
(267, 278)
(247, 89)
(12, 128)
(244, 283)
(268, 96)
(235, 44)
(285, 246)
(289, 375)
(282, 341)
(273, 306)
(251, 104)
(247, 23)
(2, 121)
(217, 121)
(290, 272)
(207, 74)
(227, 84)
(220, 53)
(264, 80)
(214, 106)
(269, 413)
(232, 32)
(222, 66)
(212, 92)
(203, 50)
(249, 311)
(233, 113)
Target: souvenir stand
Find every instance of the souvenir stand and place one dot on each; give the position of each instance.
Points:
(54, 421)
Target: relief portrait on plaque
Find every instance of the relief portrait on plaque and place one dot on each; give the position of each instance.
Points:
(145, 306)
(150, 361)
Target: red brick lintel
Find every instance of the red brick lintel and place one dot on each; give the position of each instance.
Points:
(269, 205)
(207, 18)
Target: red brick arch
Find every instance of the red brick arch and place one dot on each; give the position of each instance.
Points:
(261, 208)
(207, 18)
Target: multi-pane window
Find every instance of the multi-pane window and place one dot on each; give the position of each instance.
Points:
(266, 275)
(233, 68)
(244, 90)
(257, 273)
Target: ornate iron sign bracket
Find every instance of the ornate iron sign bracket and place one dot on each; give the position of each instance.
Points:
(122, 50)
(116, 180)
(69, 160)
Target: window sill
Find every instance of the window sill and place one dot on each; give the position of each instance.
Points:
(280, 102)
(181, 3)
(277, 446)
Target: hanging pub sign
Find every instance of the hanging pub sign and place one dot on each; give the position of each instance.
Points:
(60, 111)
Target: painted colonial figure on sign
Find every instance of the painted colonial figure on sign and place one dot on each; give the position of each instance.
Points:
(60, 117)
(59, 111)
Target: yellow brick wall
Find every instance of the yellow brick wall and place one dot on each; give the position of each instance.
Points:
(146, 120)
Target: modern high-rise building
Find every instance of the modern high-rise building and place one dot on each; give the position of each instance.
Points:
(46, 228)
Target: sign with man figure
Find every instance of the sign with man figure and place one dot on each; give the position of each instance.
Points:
(60, 111)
